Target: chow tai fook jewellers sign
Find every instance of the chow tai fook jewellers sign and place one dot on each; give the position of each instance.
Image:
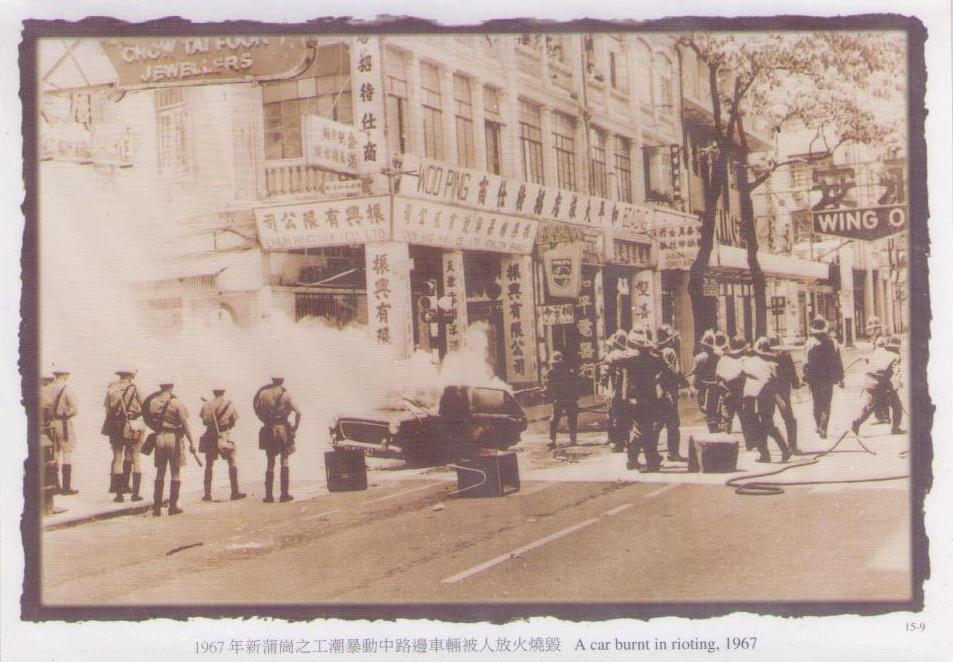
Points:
(863, 223)
(146, 62)
(447, 226)
(437, 180)
(327, 223)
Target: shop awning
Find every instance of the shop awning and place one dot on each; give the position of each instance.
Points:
(778, 266)
(236, 271)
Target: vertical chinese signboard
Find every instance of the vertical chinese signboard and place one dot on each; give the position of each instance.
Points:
(388, 295)
(587, 324)
(367, 85)
(518, 323)
(643, 299)
(455, 288)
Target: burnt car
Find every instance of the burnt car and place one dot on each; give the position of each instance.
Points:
(468, 419)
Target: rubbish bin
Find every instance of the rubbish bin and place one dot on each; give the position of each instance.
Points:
(491, 473)
(713, 453)
(345, 470)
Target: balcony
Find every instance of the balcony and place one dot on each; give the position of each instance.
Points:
(560, 75)
(283, 179)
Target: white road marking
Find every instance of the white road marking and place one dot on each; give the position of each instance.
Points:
(534, 489)
(521, 550)
(661, 490)
(397, 494)
(317, 515)
(618, 509)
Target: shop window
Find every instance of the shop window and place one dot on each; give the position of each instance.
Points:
(623, 167)
(531, 142)
(431, 104)
(324, 91)
(463, 99)
(172, 129)
(658, 174)
(598, 173)
(395, 102)
(564, 145)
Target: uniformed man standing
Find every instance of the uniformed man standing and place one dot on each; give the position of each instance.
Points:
(166, 414)
(123, 406)
(671, 383)
(761, 378)
(643, 367)
(786, 382)
(612, 376)
(273, 405)
(562, 390)
(708, 389)
(876, 337)
(822, 369)
(219, 417)
(731, 376)
(64, 434)
(47, 462)
(882, 379)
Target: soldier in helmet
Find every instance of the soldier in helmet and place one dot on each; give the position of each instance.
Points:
(882, 379)
(618, 423)
(169, 418)
(643, 368)
(219, 417)
(273, 405)
(562, 389)
(875, 334)
(786, 381)
(708, 389)
(823, 368)
(122, 405)
(761, 381)
(64, 433)
(671, 382)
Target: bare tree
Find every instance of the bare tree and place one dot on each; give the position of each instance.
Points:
(846, 87)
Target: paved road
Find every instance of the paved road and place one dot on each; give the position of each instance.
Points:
(554, 540)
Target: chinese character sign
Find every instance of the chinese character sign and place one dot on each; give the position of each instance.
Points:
(387, 266)
(446, 226)
(643, 299)
(587, 323)
(519, 332)
(677, 236)
(367, 85)
(331, 145)
(455, 288)
(332, 223)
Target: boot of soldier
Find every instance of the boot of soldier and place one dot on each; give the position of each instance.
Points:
(208, 482)
(157, 497)
(174, 497)
(285, 480)
(126, 472)
(233, 479)
(68, 480)
(136, 484)
(119, 489)
(269, 487)
(56, 476)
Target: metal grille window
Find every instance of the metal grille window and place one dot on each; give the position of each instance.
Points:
(493, 130)
(395, 102)
(172, 130)
(432, 113)
(598, 174)
(623, 167)
(531, 142)
(564, 144)
(326, 91)
(464, 103)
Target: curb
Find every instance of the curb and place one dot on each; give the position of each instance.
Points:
(108, 514)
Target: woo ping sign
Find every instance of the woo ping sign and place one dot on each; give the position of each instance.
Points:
(863, 223)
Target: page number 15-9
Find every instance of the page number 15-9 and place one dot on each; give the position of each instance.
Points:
(915, 626)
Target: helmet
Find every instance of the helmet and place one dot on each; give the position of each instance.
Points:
(617, 339)
(819, 325)
(721, 340)
(762, 346)
(737, 346)
(557, 358)
(666, 334)
(637, 338)
(708, 339)
(774, 340)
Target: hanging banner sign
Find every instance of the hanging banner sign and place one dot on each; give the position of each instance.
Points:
(437, 180)
(563, 268)
(447, 226)
(317, 224)
(330, 145)
(633, 254)
(865, 223)
(519, 332)
(367, 85)
(557, 314)
(677, 236)
(146, 62)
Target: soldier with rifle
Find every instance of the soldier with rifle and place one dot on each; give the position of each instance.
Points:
(219, 417)
(273, 405)
(123, 406)
(169, 419)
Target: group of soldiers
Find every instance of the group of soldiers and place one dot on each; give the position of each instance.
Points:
(642, 379)
(168, 419)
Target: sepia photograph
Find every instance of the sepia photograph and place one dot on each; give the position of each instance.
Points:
(586, 319)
